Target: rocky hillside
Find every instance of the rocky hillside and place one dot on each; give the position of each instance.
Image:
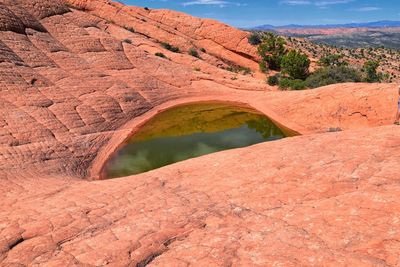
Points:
(79, 77)
(219, 44)
(387, 58)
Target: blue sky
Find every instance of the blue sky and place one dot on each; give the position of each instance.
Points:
(246, 13)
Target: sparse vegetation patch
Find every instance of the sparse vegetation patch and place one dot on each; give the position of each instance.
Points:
(132, 30)
(293, 84)
(239, 69)
(273, 80)
(254, 38)
(159, 54)
(170, 47)
(193, 52)
(333, 74)
(292, 62)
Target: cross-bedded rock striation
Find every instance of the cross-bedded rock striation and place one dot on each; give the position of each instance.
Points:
(78, 77)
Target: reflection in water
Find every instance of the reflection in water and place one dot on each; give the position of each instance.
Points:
(187, 132)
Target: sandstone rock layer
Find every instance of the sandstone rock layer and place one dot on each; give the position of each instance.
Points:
(76, 80)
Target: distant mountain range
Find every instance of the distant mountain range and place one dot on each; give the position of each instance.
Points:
(375, 24)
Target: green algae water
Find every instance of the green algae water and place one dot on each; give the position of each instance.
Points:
(190, 131)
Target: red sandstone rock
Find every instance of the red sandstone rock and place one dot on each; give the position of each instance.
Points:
(219, 40)
(72, 91)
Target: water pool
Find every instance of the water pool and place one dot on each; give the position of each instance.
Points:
(190, 131)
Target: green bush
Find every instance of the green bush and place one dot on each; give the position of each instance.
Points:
(271, 50)
(296, 65)
(128, 41)
(202, 50)
(370, 68)
(273, 80)
(293, 84)
(254, 39)
(129, 29)
(159, 54)
(239, 69)
(170, 47)
(193, 52)
(263, 67)
(245, 70)
(332, 75)
(332, 60)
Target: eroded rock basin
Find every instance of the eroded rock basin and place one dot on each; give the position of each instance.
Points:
(190, 131)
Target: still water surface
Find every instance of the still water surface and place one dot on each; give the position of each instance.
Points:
(190, 131)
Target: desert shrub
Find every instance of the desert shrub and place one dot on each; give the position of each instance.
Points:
(386, 77)
(193, 52)
(332, 75)
(334, 129)
(245, 70)
(254, 39)
(170, 47)
(370, 68)
(263, 67)
(332, 60)
(239, 69)
(203, 50)
(129, 29)
(273, 80)
(271, 50)
(159, 54)
(128, 41)
(296, 65)
(33, 81)
(146, 8)
(293, 84)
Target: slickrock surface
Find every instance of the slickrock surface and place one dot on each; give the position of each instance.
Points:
(327, 200)
(74, 83)
(221, 42)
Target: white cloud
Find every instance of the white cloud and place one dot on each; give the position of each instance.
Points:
(220, 3)
(367, 8)
(332, 2)
(296, 2)
(318, 3)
